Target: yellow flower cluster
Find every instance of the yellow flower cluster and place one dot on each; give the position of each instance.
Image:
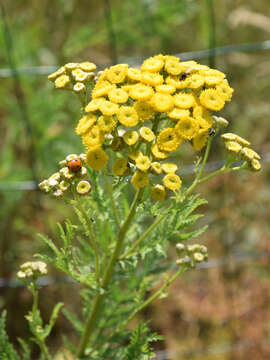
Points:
(238, 146)
(145, 114)
(74, 76)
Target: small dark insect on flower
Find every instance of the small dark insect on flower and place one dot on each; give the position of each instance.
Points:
(183, 76)
(212, 131)
(75, 165)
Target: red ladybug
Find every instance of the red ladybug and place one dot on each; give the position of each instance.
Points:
(75, 165)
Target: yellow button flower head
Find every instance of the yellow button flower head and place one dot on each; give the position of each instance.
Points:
(85, 123)
(102, 88)
(255, 165)
(108, 108)
(169, 168)
(177, 114)
(143, 163)
(172, 182)
(187, 128)
(62, 81)
(168, 140)
(96, 158)
(131, 137)
(156, 168)
(234, 137)
(141, 92)
(151, 79)
(144, 110)
(94, 104)
(212, 99)
(79, 87)
(118, 96)
(127, 116)
(212, 80)
(162, 102)
(83, 187)
(199, 141)
(140, 180)
(87, 66)
(250, 154)
(57, 73)
(134, 74)
(152, 64)
(184, 101)
(133, 155)
(158, 192)
(195, 81)
(200, 113)
(233, 146)
(106, 123)
(93, 137)
(225, 89)
(159, 154)
(117, 73)
(165, 89)
(120, 167)
(147, 134)
(174, 66)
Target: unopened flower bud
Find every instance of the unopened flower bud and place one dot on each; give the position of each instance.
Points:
(83, 187)
(62, 163)
(220, 121)
(54, 179)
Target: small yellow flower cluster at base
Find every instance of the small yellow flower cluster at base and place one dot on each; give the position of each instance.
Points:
(190, 255)
(32, 270)
(68, 178)
(238, 146)
(74, 76)
(150, 111)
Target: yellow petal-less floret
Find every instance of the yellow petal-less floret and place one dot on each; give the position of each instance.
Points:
(212, 99)
(133, 155)
(118, 96)
(174, 67)
(177, 114)
(120, 167)
(152, 64)
(87, 66)
(96, 158)
(117, 73)
(159, 154)
(169, 168)
(225, 89)
(102, 89)
(172, 182)
(151, 79)
(187, 128)
(144, 110)
(162, 102)
(147, 134)
(94, 104)
(106, 123)
(140, 180)
(134, 74)
(85, 123)
(143, 163)
(131, 137)
(169, 140)
(127, 116)
(199, 141)
(233, 147)
(156, 168)
(141, 92)
(93, 137)
(57, 73)
(165, 89)
(158, 192)
(62, 81)
(195, 81)
(184, 101)
(108, 108)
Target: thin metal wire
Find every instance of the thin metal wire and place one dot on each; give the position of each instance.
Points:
(190, 55)
(185, 170)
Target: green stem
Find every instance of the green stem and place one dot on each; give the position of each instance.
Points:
(110, 192)
(143, 236)
(99, 298)
(156, 294)
(92, 240)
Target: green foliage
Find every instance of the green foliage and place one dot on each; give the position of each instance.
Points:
(6, 348)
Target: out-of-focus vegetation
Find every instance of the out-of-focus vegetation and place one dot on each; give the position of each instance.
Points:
(228, 304)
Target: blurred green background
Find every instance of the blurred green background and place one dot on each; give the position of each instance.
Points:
(221, 312)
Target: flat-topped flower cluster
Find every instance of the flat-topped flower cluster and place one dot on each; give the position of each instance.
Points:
(144, 114)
